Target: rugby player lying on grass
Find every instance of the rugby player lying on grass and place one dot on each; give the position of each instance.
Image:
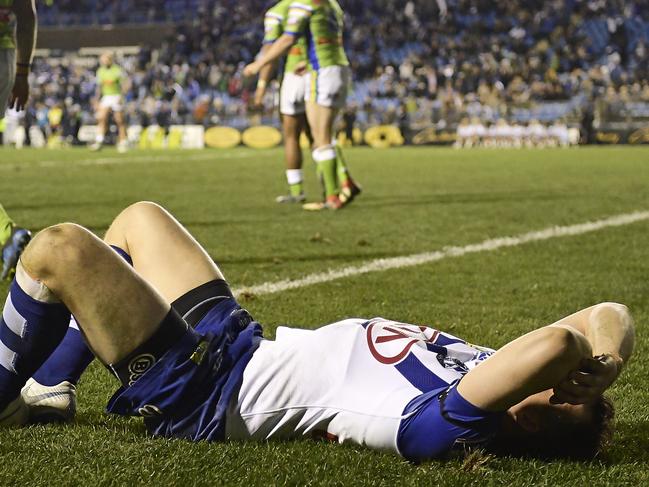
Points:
(156, 310)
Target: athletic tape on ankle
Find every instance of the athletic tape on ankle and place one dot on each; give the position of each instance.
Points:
(325, 153)
(294, 176)
(33, 288)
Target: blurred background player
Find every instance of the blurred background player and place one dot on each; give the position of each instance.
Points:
(16, 52)
(291, 104)
(321, 23)
(110, 86)
(15, 62)
(13, 240)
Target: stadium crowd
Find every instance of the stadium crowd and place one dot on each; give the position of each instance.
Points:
(415, 62)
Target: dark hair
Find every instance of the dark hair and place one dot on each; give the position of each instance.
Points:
(564, 437)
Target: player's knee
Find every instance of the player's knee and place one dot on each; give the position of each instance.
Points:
(141, 210)
(58, 245)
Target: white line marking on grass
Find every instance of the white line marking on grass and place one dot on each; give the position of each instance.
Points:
(379, 265)
(177, 157)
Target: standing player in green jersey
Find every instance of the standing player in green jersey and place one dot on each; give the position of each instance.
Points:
(110, 86)
(320, 22)
(15, 61)
(291, 108)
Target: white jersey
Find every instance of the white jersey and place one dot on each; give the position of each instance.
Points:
(348, 381)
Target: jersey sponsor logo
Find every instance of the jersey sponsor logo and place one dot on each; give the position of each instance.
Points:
(138, 366)
(390, 342)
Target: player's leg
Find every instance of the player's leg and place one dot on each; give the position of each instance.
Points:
(335, 95)
(320, 119)
(291, 108)
(67, 269)
(161, 251)
(13, 240)
(102, 126)
(325, 98)
(121, 127)
(292, 128)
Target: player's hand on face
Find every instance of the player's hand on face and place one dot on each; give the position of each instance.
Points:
(586, 384)
(20, 93)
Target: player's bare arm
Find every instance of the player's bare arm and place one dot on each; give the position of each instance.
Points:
(610, 330)
(265, 75)
(530, 364)
(578, 357)
(25, 12)
(276, 50)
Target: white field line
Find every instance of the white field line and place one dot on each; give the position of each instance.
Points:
(378, 265)
(177, 157)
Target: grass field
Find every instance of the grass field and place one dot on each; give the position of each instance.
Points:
(416, 200)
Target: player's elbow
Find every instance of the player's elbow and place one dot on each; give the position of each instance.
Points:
(614, 313)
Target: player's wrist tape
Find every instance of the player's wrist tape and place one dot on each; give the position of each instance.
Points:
(261, 84)
(140, 360)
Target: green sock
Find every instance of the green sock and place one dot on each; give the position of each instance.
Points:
(6, 226)
(325, 158)
(296, 189)
(341, 166)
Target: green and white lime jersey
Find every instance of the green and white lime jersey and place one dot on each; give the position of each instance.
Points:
(274, 26)
(320, 22)
(110, 80)
(6, 25)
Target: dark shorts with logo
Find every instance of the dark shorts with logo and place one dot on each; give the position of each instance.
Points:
(185, 394)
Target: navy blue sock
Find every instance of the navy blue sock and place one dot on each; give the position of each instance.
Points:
(30, 330)
(72, 356)
(70, 359)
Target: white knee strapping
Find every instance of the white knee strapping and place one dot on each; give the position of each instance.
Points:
(294, 176)
(324, 153)
(33, 288)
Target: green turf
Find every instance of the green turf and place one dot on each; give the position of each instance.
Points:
(415, 200)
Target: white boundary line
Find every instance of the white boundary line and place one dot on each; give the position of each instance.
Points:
(379, 265)
(134, 158)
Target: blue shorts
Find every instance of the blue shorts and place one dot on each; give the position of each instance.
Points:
(186, 393)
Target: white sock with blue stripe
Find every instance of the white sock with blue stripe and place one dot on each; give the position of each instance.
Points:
(33, 323)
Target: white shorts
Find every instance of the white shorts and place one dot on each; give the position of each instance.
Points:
(328, 86)
(342, 382)
(7, 76)
(113, 102)
(292, 93)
